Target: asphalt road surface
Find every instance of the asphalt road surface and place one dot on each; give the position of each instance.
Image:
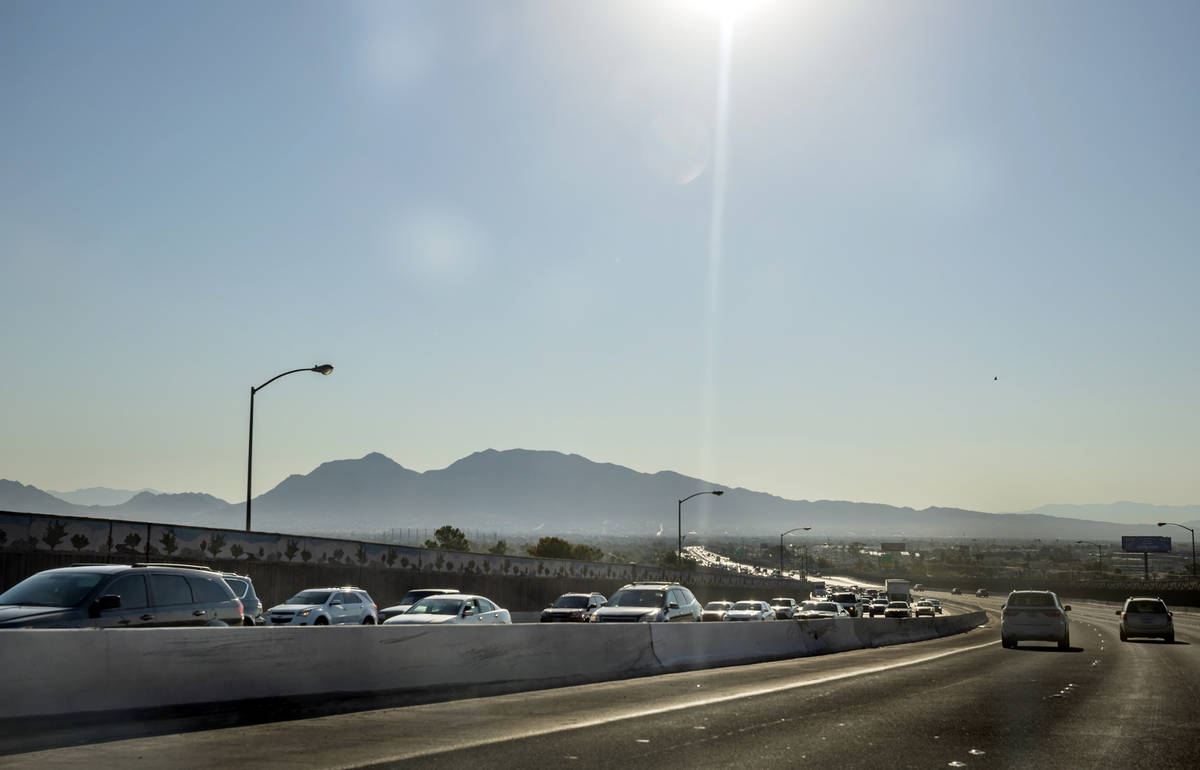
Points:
(961, 701)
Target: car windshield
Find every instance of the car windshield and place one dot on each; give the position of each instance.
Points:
(571, 602)
(436, 605)
(412, 597)
(310, 597)
(897, 606)
(1146, 606)
(637, 597)
(1031, 600)
(717, 606)
(826, 607)
(780, 602)
(53, 589)
(747, 606)
(239, 587)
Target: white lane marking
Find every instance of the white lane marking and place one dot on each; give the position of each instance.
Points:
(596, 722)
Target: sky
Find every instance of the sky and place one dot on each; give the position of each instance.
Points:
(917, 253)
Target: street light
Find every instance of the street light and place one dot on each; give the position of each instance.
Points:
(679, 521)
(1189, 529)
(325, 369)
(790, 531)
(1099, 552)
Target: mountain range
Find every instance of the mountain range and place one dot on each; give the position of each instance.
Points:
(523, 491)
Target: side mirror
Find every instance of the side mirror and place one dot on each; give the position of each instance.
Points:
(673, 606)
(468, 611)
(1066, 608)
(106, 602)
(336, 603)
(1118, 612)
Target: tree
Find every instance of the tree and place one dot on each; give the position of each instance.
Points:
(551, 548)
(216, 544)
(169, 542)
(499, 549)
(55, 532)
(236, 550)
(79, 542)
(449, 539)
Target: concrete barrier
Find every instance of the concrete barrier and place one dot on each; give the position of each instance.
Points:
(48, 672)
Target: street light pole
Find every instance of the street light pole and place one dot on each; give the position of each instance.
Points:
(325, 369)
(1189, 529)
(1099, 553)
(790, 531)
(679, 522)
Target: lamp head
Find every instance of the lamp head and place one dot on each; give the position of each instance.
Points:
(1162, 523)
(325, 369)
(718, 492)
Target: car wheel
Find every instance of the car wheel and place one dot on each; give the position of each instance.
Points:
(1065, 643)
(368, 621)
(1169, 638)
(321, 622)
(1124, 636)
(247, 621)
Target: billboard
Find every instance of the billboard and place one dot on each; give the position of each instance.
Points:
(892, 547)
(1145, 544)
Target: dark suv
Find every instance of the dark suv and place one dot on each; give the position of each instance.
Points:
(120, 596)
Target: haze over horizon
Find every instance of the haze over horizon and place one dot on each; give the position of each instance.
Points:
(863, 252)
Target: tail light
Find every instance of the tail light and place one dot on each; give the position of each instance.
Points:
(241, 611)
(1009, 613)
(1123, 614)
(1051, 613)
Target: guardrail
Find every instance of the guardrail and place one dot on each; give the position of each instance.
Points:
(60, 672)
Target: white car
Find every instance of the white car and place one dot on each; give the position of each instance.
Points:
(1036, 616)
(326, 607)
(411, 598)
(750, 610)
(451, 609)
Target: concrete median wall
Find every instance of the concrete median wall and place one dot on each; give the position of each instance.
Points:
(48, 672)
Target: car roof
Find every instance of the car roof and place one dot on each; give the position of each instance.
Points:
(652, 585)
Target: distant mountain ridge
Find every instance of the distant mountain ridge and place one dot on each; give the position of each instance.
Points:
(99, 495)
(522, 491)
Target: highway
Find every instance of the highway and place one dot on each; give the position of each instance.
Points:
(960, 701)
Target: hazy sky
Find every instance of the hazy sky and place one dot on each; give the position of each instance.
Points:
(532, 224)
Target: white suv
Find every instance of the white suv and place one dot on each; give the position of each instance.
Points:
(1037, 616)
(325, 607)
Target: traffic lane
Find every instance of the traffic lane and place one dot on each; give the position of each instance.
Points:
(483, 722)
(1032, 706)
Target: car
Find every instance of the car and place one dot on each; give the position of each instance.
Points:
(924, 607)
(897, 609)
(243, 589)
(1147, 617)
(982, 593)
(919, 587)
(956, 592)
(877, 607)
(411, 598)
(819, 610)
(345, 605)
(650, 602)
(121, 596)
(750, 609)
(784, 607)
(452, 609)
(714, 611)
(937, 605)
(1034, 616)
(848, 600)
(573, 608)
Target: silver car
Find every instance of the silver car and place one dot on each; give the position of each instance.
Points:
(1035, 616)
(326, 607)
(451, 609)
(750, 610)
(1145, 616)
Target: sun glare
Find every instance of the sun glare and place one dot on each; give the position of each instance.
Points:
(724, 11)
